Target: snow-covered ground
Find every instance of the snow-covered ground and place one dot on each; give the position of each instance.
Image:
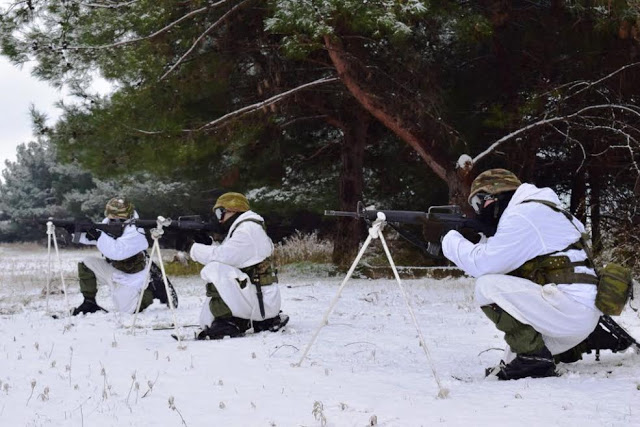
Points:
(366, 366)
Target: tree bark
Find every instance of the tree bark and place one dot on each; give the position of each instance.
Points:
(349, 230)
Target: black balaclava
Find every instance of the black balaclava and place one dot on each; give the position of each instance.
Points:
(225, 226)
(490, 215)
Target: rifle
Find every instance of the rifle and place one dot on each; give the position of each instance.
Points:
(447, 217)
(116, 228)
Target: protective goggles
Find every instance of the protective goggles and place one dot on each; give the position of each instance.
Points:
(219, 212)
(478, 201)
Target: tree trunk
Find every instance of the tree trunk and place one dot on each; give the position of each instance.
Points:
(594, 207)
(349, 230)
(432, 153)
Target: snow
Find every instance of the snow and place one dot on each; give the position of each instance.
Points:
(365, 365)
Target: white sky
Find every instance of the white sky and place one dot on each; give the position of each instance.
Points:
(18, 91)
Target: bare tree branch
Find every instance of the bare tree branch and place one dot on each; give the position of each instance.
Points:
(265, 103)
(207, 31)
(623, 108)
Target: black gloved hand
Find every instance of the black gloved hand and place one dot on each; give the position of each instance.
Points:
(471, 235)
(93, 234)
(201, 237)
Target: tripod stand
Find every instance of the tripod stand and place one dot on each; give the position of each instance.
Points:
(375, 232)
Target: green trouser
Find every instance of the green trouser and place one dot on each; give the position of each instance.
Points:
(89, 286)
(88, 281)
(217, 306)
(521, 338)
(573, 354)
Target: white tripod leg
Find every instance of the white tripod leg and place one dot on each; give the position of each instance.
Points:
(442, 392)
(156, 234)
(373, 233)
(51, 232)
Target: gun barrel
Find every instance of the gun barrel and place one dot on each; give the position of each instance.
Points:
(342, 213)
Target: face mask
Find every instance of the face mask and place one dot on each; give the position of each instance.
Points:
(226, 226)
(491, 214)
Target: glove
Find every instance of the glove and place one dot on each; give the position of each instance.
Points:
(202, 237)
(93, 234)
(471, 235)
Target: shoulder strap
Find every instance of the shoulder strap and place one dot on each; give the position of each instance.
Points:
(257, 221)
(583, 243)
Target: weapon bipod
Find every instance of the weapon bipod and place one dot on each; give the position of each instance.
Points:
(375, 232)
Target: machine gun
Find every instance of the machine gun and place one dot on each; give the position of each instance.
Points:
(115, 228)
(442, 218)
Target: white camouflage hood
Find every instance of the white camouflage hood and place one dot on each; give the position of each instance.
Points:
(529, 192)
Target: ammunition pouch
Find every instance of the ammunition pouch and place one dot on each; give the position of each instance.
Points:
(131, 265)
(263, 273)
(554, 269)
(614, 289)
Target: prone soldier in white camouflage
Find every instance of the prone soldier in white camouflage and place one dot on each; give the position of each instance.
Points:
(122, 265)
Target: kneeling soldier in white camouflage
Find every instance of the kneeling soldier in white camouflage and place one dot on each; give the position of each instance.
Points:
(535, 280)
(242, 285)
(122, 266)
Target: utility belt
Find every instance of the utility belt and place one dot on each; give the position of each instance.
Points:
(131, 265)
(554, 269)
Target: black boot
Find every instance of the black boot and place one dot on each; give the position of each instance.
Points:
(538, 364)
(273, 324)
(224, 327)
(89, 305)
(156, 284)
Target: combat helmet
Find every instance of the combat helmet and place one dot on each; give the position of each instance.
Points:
(231, 202)
(119, 207)
(493, 182)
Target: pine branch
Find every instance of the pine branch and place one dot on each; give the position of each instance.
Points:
(150, 36)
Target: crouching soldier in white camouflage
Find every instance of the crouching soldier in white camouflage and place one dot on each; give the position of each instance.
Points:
(122, 265)
(242, 289)
(534, 278)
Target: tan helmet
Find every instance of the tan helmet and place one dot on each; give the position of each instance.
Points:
(494, 181)
(119, 207)
(234, 202)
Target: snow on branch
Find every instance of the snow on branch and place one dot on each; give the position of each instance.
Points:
(207, 31)
(265, 103)
(152, 35)
(109, 4)
(623, 108)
